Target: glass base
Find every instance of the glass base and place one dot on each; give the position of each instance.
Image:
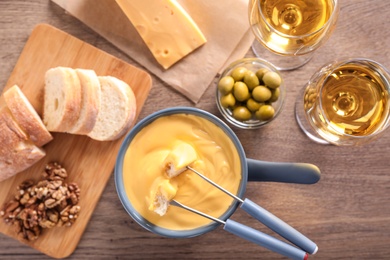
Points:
(281, 62)
(303, 121)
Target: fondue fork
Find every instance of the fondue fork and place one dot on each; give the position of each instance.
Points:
(252, 235)
(268, 219)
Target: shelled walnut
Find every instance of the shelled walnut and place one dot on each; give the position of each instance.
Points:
(46, 204)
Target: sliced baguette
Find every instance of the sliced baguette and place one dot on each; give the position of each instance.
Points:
(117, 109)
(90, 101)
(17, 151)
(26, 116)
(62, 101)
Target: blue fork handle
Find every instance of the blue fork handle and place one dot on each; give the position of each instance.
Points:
(264, 240)
(279, 226)
(301, 173)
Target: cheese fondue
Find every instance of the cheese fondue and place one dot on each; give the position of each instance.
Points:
(217, 158)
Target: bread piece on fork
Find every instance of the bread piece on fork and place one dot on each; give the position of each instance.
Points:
(162, 193)
(181, 155)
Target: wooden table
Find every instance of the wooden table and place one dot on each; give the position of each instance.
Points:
(347, 213)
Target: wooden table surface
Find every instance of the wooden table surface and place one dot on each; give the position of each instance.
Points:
(346, 213)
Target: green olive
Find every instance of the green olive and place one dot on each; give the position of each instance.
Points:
(251, 80)
(225, 85)
(261, 93)
(242, 113)
(272, 79)
(253, 105)
(260, 73)
(241, 91)
(275, 94)
(228, 100)
(238, 73)
(265, 112)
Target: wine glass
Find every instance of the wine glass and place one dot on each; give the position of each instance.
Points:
(345, 102)
(287, 32)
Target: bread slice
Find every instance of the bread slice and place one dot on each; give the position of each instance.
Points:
(117, 109)
(17, 151)
(26, 116)
(62, 101)
(90, 101)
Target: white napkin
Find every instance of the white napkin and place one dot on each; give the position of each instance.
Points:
(223, 22)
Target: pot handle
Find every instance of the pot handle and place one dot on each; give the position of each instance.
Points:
(301, 173)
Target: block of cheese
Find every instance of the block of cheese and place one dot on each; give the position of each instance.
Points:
(166, 28)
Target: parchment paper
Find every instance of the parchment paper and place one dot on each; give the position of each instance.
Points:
(223, 22)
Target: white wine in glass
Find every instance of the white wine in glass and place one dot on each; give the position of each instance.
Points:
(346, 102)
(287, 32)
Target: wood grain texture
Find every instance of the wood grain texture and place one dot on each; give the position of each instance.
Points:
(347, 213)
(88, 162)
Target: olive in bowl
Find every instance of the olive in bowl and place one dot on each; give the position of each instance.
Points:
(250, 93)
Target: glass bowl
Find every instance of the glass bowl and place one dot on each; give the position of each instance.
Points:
(252, 64)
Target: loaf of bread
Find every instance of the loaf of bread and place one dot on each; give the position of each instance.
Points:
(26, 116)
(76, 101)
(104, 108)
(62, 99)
(17, 151)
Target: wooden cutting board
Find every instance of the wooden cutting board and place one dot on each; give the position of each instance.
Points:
(88, 162)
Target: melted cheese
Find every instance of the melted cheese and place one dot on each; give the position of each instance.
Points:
(144, 170)
(166, 28)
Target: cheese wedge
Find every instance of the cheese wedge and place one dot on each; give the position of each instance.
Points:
(166, 28)
(181, 155)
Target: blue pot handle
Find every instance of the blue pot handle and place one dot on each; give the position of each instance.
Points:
(301, 173)
(264, 240)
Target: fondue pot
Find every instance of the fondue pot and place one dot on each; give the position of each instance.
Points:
(251, 170)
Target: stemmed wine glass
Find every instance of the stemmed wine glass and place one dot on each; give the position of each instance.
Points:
(346, 102)
(287, 32)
